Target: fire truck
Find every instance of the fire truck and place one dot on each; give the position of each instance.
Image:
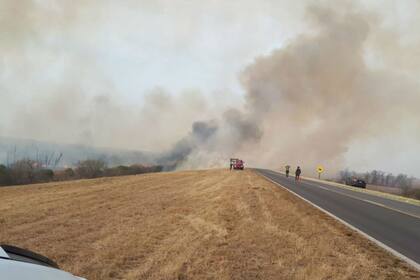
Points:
(236, 164)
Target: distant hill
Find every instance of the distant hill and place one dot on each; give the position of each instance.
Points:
(12, 149)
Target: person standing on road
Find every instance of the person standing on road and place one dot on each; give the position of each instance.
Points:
(297, 173)
(287, 170)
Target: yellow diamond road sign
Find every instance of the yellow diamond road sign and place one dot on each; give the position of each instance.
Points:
(320, 169)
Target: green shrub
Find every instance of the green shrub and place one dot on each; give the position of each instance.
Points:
(413, 193)
(90, 168)
(5, 178)
(43, 175)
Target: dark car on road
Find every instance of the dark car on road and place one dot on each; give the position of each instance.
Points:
(356, 182)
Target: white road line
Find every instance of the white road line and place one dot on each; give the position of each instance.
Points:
(355, 197)
(365, 200)
(379, 243)
(361, 191)
(377, 203)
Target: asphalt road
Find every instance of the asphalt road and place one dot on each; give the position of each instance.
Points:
(392, 223)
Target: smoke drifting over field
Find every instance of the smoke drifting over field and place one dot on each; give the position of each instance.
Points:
(346, 80)
(308, 101)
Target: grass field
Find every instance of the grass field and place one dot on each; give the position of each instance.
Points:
(211, 224)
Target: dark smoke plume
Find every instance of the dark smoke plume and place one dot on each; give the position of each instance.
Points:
(201, 135)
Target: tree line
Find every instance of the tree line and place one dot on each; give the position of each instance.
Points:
(28, 171)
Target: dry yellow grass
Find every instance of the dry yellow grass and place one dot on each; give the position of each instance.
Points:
(211, 224)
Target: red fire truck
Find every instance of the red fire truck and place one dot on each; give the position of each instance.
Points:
(236, 164)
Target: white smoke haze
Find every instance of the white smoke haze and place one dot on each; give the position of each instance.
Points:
(197, 83)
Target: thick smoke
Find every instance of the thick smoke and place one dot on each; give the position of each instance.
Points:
(318, 94)
(201, 135)
(211, 143)
(350, 78)
(308, 102)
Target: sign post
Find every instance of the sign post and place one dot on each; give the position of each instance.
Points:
(319, 169)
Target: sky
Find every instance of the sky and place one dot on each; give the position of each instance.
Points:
(139, 74)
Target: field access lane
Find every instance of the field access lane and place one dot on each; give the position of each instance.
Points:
(399, 230)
